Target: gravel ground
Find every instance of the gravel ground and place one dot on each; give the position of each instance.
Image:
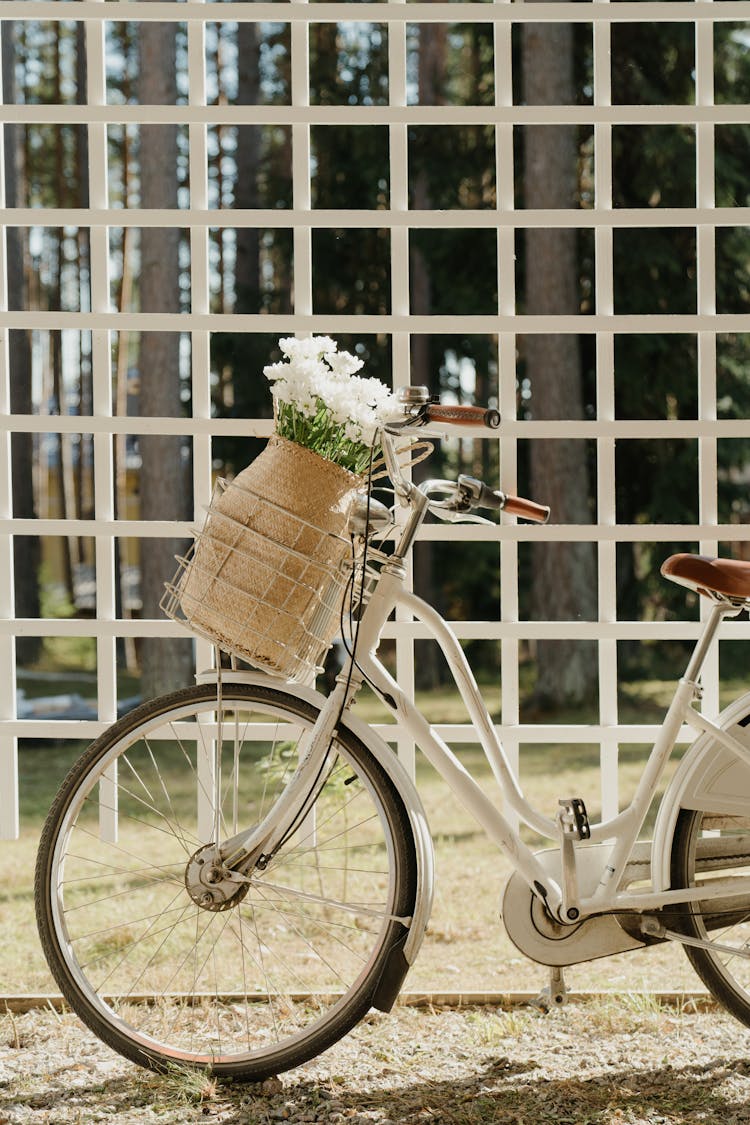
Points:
(625, 1060)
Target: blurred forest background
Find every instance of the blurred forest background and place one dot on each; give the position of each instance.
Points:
(451, 272)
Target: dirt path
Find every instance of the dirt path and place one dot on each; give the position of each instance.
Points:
(625, 1060)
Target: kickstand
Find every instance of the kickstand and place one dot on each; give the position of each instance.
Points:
(555, 994)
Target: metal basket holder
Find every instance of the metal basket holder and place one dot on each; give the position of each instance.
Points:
(263, 601)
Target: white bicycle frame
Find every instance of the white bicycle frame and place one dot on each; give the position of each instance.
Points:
(618, 834)
(622, 830)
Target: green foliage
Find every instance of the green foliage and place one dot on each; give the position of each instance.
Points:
(454, 165)
(349, 64)
(350, 166)
(731, 58)
(653, 64)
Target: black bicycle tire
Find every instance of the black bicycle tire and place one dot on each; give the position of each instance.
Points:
(355, 1007)
(685, 919)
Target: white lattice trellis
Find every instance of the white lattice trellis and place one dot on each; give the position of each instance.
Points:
(96, 115)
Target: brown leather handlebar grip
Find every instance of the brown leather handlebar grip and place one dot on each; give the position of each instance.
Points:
(526, 509)
(463, 415)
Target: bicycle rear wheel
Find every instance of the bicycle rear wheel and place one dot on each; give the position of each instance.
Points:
(284, 968)
(708, 849)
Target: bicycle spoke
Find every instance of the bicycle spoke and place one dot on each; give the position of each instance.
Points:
(340, 868)
(315, 951)
(170, 831)
(149, 931)
(276, 905)
(329, 928)
(154, 955)
(112, 870)
(164, 789)
(141, 859)
(161, 913)
(259, 961)
(128, 891)
(138, 820)
(301, 983)
(299, 851)
(244, 973)
(349, 907)
(193, 952)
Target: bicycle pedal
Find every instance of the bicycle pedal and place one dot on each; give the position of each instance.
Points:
(574, 818)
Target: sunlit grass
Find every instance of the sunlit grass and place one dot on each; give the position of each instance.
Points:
(465, 947)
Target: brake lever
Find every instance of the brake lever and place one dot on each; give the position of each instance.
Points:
(416, 417)
(451, 515)
(456, 510)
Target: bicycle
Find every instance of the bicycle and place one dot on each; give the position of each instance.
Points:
(232, 875)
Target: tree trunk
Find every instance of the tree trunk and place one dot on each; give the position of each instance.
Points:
(432, 53)
(64, 477)
(247, 269)
(564, 574)
(26, 548)
(164, 493)
(249, 389)
(127, 648)
(85, 501)
(432, 49)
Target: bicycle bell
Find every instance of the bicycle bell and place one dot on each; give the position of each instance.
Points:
(413, 396)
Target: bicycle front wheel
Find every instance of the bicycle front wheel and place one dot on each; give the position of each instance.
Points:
(280, 970)
(710, 850)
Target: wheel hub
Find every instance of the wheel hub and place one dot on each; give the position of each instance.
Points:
(210, 884)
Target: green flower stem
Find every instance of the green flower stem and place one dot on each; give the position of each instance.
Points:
(323, 436)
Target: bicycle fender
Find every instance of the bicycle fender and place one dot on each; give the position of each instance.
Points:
(389, 761)
(709, 777)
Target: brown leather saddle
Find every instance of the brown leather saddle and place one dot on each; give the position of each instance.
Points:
(714, 578)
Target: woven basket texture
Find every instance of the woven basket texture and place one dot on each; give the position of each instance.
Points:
(247, 586)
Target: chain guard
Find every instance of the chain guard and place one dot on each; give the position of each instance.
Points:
(543, 939)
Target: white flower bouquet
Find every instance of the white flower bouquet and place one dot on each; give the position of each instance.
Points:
(321, 403)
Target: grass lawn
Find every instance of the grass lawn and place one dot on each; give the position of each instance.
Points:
(465, 948)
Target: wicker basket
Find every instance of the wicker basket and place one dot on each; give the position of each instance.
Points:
(266, 576)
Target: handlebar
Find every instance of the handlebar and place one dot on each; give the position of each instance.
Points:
(473, 493)
(456, 415)
(467, 493)
(417, 408)
(526, 509)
